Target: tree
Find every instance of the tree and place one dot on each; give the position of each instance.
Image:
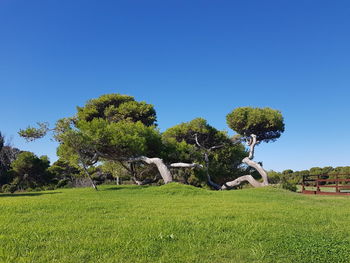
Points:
(63, 172)
(124, 130)
(7, 155)
(112, 127)
(30, 170)
(254, 125)
(197, 141)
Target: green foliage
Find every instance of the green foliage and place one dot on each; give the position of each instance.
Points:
(32, 133)
(9, 188)
(115, 169)
(30, 170)
(289, 179)
(111, 127)
(288, 185)
(63, 172)
(117, 107)
(180, 144)
(175, 223)
(7, 155)
(123, 139)
(207, 135)
(267, 124)
(63, 183)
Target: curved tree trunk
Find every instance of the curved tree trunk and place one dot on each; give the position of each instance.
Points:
(248, 161)
(162, 168)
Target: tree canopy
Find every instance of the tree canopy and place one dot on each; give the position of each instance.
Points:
(266, 123)
(117, 128)
(30, 170)
(197, 141)
(117, 107)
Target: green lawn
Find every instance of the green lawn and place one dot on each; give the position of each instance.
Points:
(173, 223)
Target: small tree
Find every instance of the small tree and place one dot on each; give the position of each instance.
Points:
(254, 125)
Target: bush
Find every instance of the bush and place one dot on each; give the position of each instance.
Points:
(62, 183)
(9, 188)
(49, 187)
(289, 186)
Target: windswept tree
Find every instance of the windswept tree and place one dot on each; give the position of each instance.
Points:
(112, 127)
(197, 141)
(254, 125)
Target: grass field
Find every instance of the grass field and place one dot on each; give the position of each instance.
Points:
(173, 223)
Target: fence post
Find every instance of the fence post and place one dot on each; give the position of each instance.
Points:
(317, 184)
(337, 184)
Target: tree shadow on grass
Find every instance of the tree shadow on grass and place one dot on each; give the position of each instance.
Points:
(27, 194)
(129, 187)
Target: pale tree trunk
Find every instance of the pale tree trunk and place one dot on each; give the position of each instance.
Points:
(89, 176)
(162, 168)
(82, 160)
(249, 161)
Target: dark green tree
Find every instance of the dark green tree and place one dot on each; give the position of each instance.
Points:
(199, 142)
(7, 155)
(254, 125)
(30, 171)
(63, 172)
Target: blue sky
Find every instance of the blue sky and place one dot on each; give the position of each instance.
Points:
(188, 58)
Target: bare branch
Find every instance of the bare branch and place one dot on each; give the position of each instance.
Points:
(216, 147)
(185, 165)
(197, 142)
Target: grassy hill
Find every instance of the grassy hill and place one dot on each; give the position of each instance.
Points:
(173, 223)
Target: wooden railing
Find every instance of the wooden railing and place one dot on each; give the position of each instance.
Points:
(336, 185)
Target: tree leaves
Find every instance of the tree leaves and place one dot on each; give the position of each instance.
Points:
(266, 123)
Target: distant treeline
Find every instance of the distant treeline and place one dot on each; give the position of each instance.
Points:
(295, 177)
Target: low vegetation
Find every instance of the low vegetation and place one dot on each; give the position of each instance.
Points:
(173, 223)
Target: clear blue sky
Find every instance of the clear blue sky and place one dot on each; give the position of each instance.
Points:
(188, 58)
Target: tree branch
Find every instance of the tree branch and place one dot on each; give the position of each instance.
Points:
(241, 179)
(185, 165)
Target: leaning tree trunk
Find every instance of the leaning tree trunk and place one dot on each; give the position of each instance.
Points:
(162, 168)
(89, 176)
(249, 161)
(87, 172)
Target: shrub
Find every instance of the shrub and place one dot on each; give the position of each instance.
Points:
(289, 186)
(6, 188)
(62, 183)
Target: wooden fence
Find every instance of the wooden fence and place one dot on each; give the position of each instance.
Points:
(319, 184)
